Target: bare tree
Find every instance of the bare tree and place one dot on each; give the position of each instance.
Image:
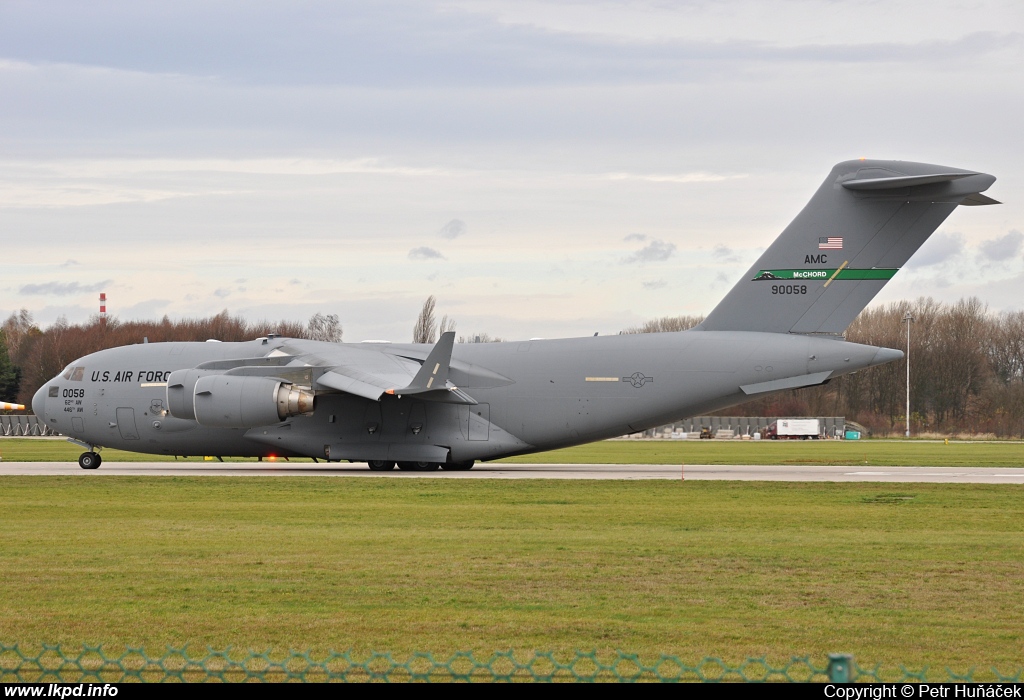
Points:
(324, 327)
(480, 338)
(666, 324)
(425, 330)
(19, 330)
(447, 324)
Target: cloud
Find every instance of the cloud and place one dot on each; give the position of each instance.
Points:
(655, 251)
(63, 289)
(425, 253)
(1004, 247)
(654, 284)
(70, 263)
(938, 249)
(635, 237)
(453, 229)
(681, 178)
(146, 309)
(419, 44)
(724, 254)
(222, 292)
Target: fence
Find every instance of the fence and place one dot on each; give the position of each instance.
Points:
(52, 664)
(740, 425)
(24, 426)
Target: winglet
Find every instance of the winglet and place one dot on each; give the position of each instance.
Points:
(433, 374)
(431, 382)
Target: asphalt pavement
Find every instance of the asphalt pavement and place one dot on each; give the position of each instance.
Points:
(696, 472)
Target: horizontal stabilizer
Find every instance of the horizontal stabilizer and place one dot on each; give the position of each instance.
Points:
(900, 181)
(978, 200)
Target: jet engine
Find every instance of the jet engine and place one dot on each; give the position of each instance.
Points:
(233, 401)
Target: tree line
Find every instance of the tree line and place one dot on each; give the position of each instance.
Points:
(967, 364)
(966, 372)
(31, 356)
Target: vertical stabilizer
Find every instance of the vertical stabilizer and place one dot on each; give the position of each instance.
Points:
(858, 230)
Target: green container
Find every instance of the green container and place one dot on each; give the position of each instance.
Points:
(852, 435)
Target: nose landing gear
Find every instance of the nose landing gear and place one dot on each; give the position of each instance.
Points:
(90, 460)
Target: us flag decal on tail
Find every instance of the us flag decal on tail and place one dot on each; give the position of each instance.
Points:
(830, 243)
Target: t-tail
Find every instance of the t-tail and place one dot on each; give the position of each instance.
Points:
(859, 229)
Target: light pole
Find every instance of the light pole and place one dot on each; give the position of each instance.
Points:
(908, 319)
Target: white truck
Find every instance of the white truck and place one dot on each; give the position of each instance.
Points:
(793, 429)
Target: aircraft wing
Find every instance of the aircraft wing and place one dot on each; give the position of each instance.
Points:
(371, 374)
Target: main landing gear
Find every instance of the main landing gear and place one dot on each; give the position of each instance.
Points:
(419, 466)
(459, 466)
(423, 466)
(90, 460)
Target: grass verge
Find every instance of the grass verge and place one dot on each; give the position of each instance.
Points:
(916, 574)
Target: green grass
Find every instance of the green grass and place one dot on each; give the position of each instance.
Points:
(60, 450)
(870, 452)
(915, 574)
(865, 452)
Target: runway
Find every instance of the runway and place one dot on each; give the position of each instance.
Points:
(698, 472)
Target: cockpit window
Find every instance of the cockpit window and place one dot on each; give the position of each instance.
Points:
(68, 371)
(77, 374)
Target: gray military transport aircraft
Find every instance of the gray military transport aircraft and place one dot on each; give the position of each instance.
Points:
(445, 406)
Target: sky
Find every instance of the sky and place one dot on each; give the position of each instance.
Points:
(545, 169)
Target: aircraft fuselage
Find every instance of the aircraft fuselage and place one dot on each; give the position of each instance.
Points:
(531, 396)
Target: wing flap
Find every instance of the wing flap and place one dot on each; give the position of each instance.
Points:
(341, 381)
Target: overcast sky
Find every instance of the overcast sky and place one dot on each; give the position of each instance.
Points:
(545, 169)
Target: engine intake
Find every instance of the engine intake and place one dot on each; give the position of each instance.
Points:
(181, 389)
(230, 401)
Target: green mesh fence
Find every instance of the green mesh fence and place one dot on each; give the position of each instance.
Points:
(52, 663)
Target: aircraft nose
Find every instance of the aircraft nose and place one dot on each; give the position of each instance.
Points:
(39, 402)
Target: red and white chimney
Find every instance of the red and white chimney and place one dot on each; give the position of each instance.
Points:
(103, 308)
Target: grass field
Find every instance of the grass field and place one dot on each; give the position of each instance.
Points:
(827, 452)
(917, 574)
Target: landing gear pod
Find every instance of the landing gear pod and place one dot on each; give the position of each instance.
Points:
(227, 401)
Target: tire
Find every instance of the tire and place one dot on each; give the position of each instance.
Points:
(89, 460)
(380, 465)
(419, 466)
(459, 466)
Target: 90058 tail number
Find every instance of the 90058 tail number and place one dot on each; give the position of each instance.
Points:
(789, 289)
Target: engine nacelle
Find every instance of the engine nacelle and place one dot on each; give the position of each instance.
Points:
(232, 401)
(181, 389)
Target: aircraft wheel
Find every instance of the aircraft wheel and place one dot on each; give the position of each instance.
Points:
(380, 465)
(459, 466)
(419, 466)
(89, 460)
